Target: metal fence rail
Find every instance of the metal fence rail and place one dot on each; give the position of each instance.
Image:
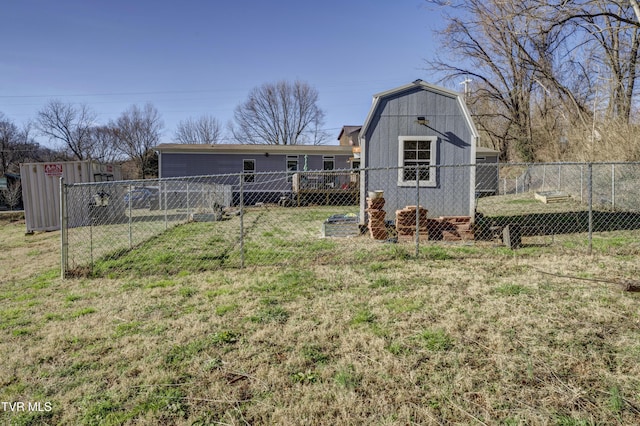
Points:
(230, 221)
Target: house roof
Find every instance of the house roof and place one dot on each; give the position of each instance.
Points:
(482, 150)
(348, 130)
(425, 86)
(253, 149)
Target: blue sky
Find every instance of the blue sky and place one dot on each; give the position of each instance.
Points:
(195, 57)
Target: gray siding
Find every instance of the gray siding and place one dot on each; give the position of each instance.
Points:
(396, 115)
(263, 187)
(200, 164)
(487, 175)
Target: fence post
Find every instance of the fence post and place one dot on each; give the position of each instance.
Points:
(544, 176)
(590, 201)
(64, 242)
(613, 186)
(163, 185)
(559, 177)
(242, 220)
(581, 183)
(130, 218)
(188, 205)
(417, 210)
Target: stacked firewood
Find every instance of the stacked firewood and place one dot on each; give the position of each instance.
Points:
(377, 226)
(406, 223)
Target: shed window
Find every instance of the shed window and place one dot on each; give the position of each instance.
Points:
(249, 168)
(417, 153)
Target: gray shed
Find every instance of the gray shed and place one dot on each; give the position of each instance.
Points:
(426, 125)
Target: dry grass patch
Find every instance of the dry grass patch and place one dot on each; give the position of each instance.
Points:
(25, 255)
(351, 332)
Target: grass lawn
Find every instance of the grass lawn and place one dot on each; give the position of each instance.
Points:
(344, 331)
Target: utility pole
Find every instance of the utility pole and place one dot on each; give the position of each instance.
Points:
(465, 83)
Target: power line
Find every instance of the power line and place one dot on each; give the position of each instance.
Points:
(337, 85)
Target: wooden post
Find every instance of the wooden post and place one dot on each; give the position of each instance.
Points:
(512, 236)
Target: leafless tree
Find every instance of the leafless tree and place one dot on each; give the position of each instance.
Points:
(12, 194)
(527, 69)
(281, 113)
(203, 130)
(137, 131)
(9, 138)
(69, 124)
(17, 146)
(607, 35)
(105, 143)
(494, 39)
(544, 70)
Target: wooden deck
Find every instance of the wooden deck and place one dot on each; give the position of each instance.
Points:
(327, 188)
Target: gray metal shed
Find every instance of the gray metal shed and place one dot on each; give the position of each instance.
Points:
(420, 124)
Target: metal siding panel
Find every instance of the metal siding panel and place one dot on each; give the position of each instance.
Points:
(175, 164)
(342, 162)
(393, 108)
(403, 105)
(41, 192)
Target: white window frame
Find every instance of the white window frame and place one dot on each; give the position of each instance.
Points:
(249, 176)
(290, 172)
(433, 140)
(330, 158)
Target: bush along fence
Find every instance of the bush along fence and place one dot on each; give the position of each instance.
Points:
(167, 226)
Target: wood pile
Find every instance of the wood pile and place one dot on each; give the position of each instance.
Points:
(377, 225)
(406, 223)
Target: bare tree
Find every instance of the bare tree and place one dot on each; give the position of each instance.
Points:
(203, 130)
(12, 194)
(71, 125)
(495, 40)
(281, 113)
(105, 143)
(137, 131)
(526, 69)
(607, 32)
(17, 146)
(9, 138)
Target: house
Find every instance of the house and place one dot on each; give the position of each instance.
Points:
(349, 135)
(425, 127)
(269, 171)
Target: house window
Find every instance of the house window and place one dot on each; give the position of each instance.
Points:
(292, 166)
(416, 153)
(249, 168)
(328, 162)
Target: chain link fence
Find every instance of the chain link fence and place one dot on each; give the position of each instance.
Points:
(167, 226)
